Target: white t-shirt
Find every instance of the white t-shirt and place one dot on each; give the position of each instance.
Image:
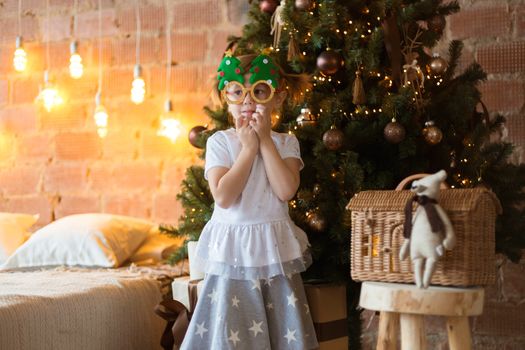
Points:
(257, 202)
(254, 238)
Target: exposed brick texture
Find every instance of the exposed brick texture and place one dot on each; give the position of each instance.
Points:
(482, 20)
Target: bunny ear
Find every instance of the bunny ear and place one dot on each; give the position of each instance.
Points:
(442, 174)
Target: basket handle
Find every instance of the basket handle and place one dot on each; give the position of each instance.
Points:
(411, 178)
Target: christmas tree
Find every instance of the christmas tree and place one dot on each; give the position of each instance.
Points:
(382, 107)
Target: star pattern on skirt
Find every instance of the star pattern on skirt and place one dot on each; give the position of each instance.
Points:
(234, 337)
(269, 282)
(214, 296)
(291, 299)
(235, 302)
(269, 306)
(290, 335)
(201, 329)
(256, 285)
(256, 328)
(307, 307)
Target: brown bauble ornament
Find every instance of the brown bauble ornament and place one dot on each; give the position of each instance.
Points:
(437, 65)
(303, 4)
(437, 23)
(394, 132)
(333, 139)
(317, 189)
(329, 62)
(194, 133)
(316, 221)
(432, 133)
(268, 6)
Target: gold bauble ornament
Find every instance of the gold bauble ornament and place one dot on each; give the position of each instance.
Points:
(333, 139)
(437, 65)
(432, 133)
(394, 132)
(316, 221)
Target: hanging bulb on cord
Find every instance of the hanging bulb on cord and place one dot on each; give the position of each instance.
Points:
(20, 56)
(169, 127)
(138, 89)
(101, 117)
(48, 95)
(76, 69)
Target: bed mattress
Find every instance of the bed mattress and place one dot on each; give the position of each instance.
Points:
(79, 308)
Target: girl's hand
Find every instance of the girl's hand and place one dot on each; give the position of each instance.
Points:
(261, 122)
(247, 135)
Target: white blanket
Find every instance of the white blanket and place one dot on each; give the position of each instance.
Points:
(63, 309)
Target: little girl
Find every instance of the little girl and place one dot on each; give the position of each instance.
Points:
(253, 297)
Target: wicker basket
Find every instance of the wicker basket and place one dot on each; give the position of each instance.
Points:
(377, 236)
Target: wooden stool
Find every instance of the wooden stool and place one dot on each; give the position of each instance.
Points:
(407, 304)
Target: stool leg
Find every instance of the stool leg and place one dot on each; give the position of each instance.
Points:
(388, 330)
(412, 332)
(459, 333)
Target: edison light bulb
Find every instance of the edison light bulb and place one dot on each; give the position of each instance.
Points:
(76, 69)
(49, 96)
(20, 56)
(138, 87)
(101, 118)
(169, 126)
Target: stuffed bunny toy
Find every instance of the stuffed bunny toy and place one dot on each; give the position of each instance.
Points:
(430, 232)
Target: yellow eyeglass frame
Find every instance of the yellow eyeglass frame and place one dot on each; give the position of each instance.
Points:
(245, 90)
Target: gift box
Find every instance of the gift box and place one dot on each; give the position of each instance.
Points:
(327, 304)
(183, 289)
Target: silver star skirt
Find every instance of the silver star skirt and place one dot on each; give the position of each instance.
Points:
(252, 315)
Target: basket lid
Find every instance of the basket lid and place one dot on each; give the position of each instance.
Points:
(449, 199)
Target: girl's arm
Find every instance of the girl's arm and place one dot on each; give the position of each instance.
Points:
(283, 174)
(226, 185)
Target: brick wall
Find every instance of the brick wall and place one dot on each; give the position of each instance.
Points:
(494, 34)
(54, 163)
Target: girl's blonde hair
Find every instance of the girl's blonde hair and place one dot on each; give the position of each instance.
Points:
(295, 85)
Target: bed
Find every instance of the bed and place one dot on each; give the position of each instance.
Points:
(81, 308)
(85, 281)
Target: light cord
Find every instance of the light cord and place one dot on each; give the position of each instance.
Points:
(137, 47)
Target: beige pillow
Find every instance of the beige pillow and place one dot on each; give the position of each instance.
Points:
(14, 230)
(156, 248)
(103, 240)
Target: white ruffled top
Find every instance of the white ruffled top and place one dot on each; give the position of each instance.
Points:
(255, 237)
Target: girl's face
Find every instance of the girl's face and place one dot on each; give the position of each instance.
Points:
(249, 106)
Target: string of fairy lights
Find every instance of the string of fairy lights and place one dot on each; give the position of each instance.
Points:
(49, 96)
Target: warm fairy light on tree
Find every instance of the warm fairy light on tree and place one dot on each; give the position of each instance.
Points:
(20, 56)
